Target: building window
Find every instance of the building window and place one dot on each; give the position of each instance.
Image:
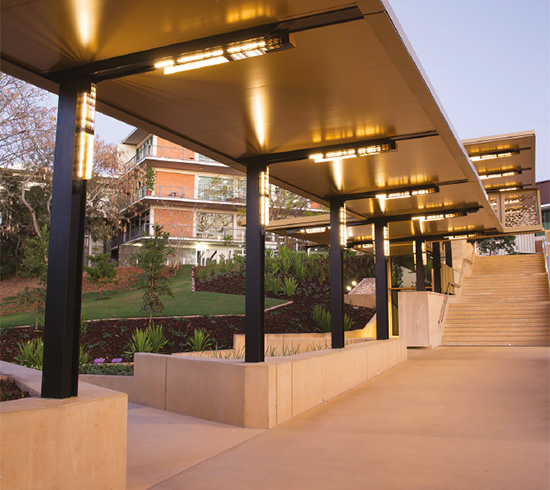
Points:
(203, 158)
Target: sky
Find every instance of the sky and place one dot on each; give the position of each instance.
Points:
(487, 60)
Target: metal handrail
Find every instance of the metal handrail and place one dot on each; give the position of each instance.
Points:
(546, 258)
(454, 285)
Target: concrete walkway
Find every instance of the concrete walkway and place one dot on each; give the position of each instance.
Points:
(449, 418)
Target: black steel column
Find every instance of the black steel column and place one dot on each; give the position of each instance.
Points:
(336, 277)
(448, 253)
(255, 258)
(381, 279)
(64, 288)
(436, 248)
(420, 270)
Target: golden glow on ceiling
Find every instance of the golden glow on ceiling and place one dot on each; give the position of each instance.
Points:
(86, 17)
(258, 115)
(337, 171)
(248, 12)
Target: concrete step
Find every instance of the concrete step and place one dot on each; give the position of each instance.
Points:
(495, 343)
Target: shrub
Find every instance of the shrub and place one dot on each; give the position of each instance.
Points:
(273, 284)
(289, 286)
(156, 337)
(139, 342)
(348, 322)
(321, 317)
(200, 340)
(31, 353)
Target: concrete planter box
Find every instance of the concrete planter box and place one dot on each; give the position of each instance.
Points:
(258, 395)
(77, 442)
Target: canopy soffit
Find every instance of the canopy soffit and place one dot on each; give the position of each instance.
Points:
(343, 83)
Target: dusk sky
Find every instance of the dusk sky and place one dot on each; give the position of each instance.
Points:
(487, 60)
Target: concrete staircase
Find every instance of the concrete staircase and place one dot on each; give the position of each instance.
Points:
(505, 301)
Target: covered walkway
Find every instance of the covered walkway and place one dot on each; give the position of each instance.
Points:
(449, 418)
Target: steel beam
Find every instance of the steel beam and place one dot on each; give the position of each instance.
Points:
(255, 261)
(381, 281)
(336, 276)
(436, 248)
(420, 270)
(64, 287)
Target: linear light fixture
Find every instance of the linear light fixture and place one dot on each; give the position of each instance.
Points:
(500, 174)
(460, 237)
(84, 134)
(353, 152)
(310, 231)
(505, 187)
(405, 194)
(494, 155)
(438, 217)
(235, 51)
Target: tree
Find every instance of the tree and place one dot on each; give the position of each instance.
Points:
(151, 259)
(27, 144)
(35, 263)
(27, 140)
(103, 273)
(492, 245)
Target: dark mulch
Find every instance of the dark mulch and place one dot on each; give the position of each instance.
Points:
(109, 338)
(10, 391)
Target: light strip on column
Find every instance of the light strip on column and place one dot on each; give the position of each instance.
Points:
(424, 254)
(84, 134)
(343, 228)
(264, 197)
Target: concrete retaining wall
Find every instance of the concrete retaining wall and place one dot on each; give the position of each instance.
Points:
(258, 395)
(77, 442)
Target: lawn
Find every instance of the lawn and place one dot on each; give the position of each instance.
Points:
(127, 304)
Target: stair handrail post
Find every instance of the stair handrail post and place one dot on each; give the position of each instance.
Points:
(546, 258)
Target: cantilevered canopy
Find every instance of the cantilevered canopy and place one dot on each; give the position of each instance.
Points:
(347, 81)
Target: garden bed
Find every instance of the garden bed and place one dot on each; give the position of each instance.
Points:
(109, 339)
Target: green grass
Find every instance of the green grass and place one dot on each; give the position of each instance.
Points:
(127, 304)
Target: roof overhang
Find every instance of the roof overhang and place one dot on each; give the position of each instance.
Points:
(351, 80)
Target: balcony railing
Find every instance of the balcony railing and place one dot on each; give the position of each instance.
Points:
(224, 236)
(201, 193)
(167, 152)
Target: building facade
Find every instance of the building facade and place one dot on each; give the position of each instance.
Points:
(200, 202)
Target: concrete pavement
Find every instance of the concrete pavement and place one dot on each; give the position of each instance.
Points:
(448, 418)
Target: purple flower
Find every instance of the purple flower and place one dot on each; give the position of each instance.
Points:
(116, 360)
(99, 360)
